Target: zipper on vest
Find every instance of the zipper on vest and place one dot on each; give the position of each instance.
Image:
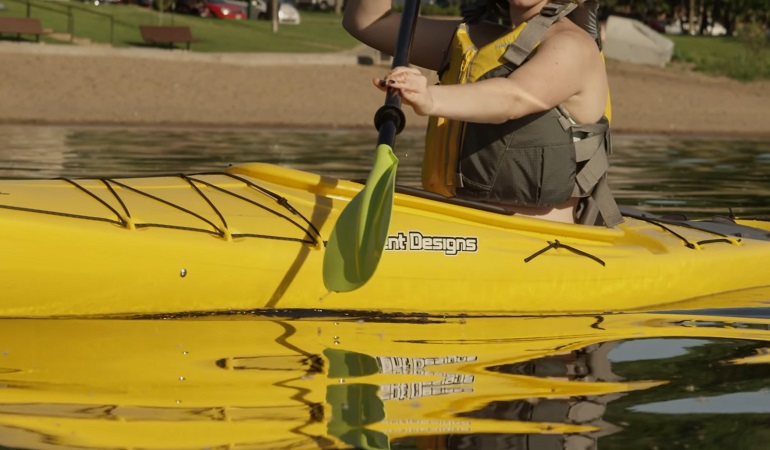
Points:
(453, 175)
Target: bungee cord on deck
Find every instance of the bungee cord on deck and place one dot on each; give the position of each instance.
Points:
(124, 219)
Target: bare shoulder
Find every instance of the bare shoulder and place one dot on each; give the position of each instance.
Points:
(567, 38)
(569, 54)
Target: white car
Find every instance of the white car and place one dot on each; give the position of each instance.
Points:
(287, 13)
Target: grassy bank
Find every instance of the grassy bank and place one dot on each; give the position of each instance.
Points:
(743, 58)
(734, 57)
(118, 25)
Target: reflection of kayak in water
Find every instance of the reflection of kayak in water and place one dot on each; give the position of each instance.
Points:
(253, 238)
(319, 383)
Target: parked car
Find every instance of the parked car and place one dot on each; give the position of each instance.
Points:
(194, 7)
(260, 9)
(287, 13)
(321, 5)
(222, 9)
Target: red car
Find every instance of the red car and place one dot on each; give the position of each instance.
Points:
(224, 10)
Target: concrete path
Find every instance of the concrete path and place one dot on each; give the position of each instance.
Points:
(360, 55)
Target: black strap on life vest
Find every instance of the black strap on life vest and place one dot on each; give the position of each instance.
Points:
(533, 32)
(597, 205)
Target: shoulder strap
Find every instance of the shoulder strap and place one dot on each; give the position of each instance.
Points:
(597, 204)
(533, 32)
(445, 58)
(587, 17)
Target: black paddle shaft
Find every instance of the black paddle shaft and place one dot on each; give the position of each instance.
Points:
(389, 119)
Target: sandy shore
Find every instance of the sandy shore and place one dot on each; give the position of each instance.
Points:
(47, 84)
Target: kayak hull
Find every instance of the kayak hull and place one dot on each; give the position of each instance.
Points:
(252, 238)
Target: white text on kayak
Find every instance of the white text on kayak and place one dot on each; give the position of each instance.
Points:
(414, 241)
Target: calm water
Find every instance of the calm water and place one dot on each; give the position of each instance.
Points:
(658, 173)
(674, 380)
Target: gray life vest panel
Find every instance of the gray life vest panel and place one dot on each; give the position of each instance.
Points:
(539, 160)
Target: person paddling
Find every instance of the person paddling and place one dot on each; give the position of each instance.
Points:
(520, 117)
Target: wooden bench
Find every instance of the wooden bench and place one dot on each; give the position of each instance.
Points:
(21, 25)
(158, 34)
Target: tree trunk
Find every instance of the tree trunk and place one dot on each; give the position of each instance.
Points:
(704, 20)
(729, 20)
(274, 14)
(691, 30)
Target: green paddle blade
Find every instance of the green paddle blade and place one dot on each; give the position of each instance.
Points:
(358, 238)
(354, 407)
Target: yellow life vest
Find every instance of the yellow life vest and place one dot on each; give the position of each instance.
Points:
(444, 137)
(467, 64)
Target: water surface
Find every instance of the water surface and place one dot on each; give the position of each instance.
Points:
(668, 380)
(629, 381)
(702, 175)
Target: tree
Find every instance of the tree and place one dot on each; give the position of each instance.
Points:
(274, 14)
(699, 14)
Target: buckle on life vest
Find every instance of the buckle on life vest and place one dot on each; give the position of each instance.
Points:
(553, 9)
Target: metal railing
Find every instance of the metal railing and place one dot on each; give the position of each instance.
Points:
(68, 10)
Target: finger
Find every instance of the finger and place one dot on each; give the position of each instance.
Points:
(397, 78)
(401, 74)
(404, 73)
(404, 69)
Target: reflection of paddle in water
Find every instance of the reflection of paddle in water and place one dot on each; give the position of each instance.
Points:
(363, 416)
(531, 383)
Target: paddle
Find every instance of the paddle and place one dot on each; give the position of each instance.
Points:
(358, 238)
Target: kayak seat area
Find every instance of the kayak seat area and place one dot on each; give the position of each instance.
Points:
(416, 192)
(167, 35)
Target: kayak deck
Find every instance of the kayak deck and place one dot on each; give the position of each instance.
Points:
(252, 238)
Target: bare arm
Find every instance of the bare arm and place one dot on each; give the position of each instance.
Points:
(375, 24)
(567, 69)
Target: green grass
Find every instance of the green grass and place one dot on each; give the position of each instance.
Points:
(729, 56)
(118, 24)
(745, 58)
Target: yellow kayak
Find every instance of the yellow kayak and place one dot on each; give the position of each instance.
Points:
(252, 238)
(273, 383)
